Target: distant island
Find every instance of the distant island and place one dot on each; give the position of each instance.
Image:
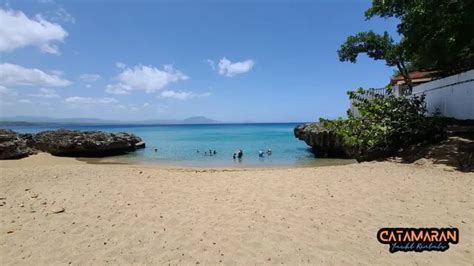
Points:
(36, 120)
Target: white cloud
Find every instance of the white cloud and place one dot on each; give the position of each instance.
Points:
(56, 72)
(14, 75)
(90, 101)
(6, 92)
(206, 94)
(19, 31)
(120, 65)
(25, 101)
(119, 89)
(211, 63)
(178, 95)
(182, 95)
(229, 69)
(7, 97)
(60, 15)
(130, 107)
(46, 93)
(88, 86)
(146, 104)
(90, 77)
(146, 78)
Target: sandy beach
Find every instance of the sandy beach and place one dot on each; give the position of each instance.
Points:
(64, 211)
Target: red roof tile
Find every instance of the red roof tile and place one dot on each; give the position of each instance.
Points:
(414, 76)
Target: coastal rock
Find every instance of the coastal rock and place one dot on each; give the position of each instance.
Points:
(140, 145)
(13, 145)
(324, 142)
(85, 143)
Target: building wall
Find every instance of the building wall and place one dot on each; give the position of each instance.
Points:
(452, 96)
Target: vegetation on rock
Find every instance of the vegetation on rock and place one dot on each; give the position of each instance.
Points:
(433, 35)
(385, 125)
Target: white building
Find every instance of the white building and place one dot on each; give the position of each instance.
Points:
(451, 96)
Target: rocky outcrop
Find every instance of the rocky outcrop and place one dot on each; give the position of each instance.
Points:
(140, 145)
(68, 143)
(324, 142)
(85, 143)
(13, 145)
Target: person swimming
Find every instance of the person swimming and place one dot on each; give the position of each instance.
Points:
(234, 156)
(260, 153)
(215, 152)
(156, 150)
(269, 152)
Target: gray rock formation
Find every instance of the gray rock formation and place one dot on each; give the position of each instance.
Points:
(67, 143)
(85, 143)
(140, 145)
(13, 145)
(324, 142)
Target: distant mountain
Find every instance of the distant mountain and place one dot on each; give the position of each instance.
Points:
(199, 120)
(35, 120)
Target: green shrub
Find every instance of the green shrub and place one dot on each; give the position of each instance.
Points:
(385, 124)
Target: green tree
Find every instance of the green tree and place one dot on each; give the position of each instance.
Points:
(385, 125)
(377, 47)
(437, 34)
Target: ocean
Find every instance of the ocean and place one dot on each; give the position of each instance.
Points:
(189, 145)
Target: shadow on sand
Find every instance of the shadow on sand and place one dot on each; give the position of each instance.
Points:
(456, 151)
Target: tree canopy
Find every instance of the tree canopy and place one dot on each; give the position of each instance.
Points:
(377, 47)
(436, 34)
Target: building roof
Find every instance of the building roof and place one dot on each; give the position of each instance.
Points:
(416, 77)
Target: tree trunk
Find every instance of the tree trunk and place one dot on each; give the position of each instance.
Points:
(406, 76)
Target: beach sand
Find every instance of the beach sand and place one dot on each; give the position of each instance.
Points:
(124, 214)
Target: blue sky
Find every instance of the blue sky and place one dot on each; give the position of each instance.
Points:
(234, 61)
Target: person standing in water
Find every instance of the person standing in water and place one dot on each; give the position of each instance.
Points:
(240, 154)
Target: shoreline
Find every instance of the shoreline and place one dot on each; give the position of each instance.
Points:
(46, 158)
(322, 162)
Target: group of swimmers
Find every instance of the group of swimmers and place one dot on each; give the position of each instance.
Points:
(262, 154)
(240, 153)
(211, 152)
(237, 155)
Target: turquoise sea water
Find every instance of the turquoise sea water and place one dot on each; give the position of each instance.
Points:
(178, 144)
